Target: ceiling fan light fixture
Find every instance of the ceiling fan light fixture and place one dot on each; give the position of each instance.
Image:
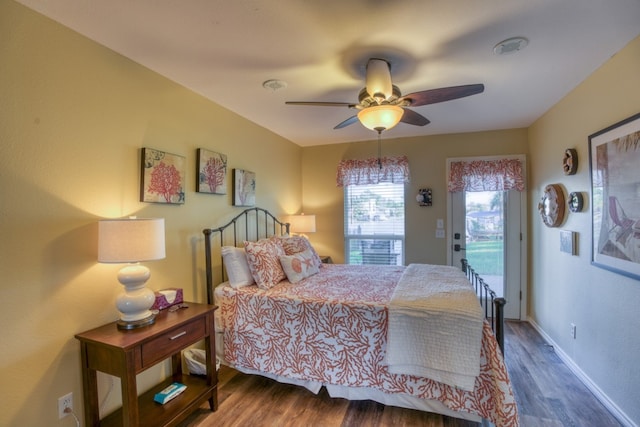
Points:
(378, 79)
(380, 117)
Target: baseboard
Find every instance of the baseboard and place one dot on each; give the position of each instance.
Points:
(584, 378)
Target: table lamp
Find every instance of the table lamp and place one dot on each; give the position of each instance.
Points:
(302, 223)
(132, 240)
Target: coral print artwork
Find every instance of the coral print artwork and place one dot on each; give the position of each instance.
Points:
(212, 172)
(244, 188)
(162, 179)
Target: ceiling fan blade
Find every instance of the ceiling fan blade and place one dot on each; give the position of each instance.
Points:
(413, 118)
(433, 96)
(322, 104)
(351, 120)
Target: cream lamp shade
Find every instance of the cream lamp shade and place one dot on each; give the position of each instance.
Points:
(132, 240)
(303, 223)
(380, 117)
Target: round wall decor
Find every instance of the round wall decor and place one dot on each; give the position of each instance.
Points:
(551, 206)
(570, 161)
(575, 201)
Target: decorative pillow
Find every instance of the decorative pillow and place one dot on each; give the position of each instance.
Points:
(263, 257)
(235, 262)
(299, 266)
(296, 244)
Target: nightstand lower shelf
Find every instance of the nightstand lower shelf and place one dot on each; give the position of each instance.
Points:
(154, 414)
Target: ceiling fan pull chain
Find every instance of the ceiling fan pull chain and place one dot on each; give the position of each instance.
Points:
(379, 150)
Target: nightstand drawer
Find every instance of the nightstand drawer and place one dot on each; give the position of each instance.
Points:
(170, 342)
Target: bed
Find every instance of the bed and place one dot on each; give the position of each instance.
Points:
(348, 328)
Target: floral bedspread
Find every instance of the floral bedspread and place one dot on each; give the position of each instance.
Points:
(332, 328)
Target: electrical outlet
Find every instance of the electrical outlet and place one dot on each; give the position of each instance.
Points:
(573, 331)
(64, 402)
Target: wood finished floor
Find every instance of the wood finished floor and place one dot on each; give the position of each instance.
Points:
(547, 393)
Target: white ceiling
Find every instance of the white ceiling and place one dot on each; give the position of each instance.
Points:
(225, 49)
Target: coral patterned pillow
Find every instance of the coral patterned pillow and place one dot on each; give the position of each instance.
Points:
(299, 266)
(296, 244)
(263, 258)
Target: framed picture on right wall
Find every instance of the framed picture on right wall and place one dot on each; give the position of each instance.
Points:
(614, 155)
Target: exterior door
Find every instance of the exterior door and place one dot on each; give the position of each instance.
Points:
(487, 228)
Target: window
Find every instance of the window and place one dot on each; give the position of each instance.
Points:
(374, 223)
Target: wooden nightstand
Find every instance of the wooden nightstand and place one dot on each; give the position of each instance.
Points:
(326, 259)
(127, 353)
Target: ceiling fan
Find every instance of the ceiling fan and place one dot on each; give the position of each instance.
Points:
(381, 104)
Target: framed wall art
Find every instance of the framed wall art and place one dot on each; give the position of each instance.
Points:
(424, 197)
(568, 242)
(211, 174)
(614, 155)
(162, 177)
(244, 188)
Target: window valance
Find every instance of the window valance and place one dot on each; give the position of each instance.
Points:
(373, 171)
(486, 175)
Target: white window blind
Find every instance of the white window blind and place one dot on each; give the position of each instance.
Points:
(374, 224)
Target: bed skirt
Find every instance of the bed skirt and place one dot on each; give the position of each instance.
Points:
(400, 400)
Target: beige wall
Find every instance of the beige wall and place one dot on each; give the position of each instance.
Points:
(427, 162)
(567, 289)
(73, 117)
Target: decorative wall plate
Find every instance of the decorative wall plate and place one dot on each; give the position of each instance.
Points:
(551, 206)
(570, 161)
(576, 201)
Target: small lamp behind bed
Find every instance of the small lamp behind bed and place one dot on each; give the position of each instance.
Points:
(132, 240)
(301, 224)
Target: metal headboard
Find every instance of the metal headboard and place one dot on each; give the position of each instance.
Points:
(251, 224)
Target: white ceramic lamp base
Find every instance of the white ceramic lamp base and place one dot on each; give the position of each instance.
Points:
(134, 303)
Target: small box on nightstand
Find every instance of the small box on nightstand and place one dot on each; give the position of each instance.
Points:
(165, 298)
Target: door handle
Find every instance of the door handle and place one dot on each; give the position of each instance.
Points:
(458, 248)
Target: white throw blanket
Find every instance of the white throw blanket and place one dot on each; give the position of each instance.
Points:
(435, 326)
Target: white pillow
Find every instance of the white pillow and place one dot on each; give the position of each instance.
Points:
(235, 262)
(299, 266)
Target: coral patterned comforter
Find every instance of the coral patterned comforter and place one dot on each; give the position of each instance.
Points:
(331, 328)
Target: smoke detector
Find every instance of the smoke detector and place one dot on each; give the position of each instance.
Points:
(509, 46)
(274, 85)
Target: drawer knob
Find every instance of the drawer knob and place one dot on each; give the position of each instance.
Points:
(178, 335)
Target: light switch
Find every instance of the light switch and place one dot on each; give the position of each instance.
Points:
(439, 233)
(440, 223)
